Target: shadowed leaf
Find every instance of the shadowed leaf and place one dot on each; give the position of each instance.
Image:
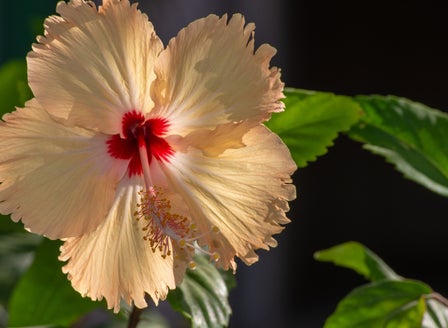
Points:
(203, 296)
(14, 90)
(44, 296)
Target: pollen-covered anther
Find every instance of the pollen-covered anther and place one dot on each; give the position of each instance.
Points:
(192, 265)
(161, 226)
(214, 257)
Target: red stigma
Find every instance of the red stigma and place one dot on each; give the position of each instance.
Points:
(138, 132)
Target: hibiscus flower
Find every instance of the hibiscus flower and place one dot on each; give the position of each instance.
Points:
(137, 156)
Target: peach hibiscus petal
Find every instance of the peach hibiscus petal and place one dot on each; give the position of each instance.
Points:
(115, 262)
(91, 66)
(58, 180)
(243, 192)
(213, 142)
(209, 75)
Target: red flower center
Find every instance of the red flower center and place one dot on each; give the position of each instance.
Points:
(138, 132)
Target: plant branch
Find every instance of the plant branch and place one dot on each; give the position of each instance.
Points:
(134, 317)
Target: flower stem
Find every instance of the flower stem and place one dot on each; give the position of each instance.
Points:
(134, 317)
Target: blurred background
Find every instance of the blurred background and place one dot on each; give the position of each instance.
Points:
(345, 47)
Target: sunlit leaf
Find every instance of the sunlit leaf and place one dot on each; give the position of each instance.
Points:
(359, 258)
(409, 135)
(203, 296)
(383, 303)
(410, 315)
(14, 90)
(311, 121)
(44, 296)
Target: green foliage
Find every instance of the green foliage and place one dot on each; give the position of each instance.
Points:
(409, 135)
(44, 296)
(14, 90)
(203, 295)
(436, 315)
(16, 254)
(384, 303)
(311, 121)
(355, 256)
(389, 301)
(16, 246)
(9, 226)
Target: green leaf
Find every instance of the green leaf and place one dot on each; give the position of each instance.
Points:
(311, 121)
(16, 254)
(44, 296)
(408, 316)
(14, 90)
(436, 315)
(383, 303)
(359, 258)
(7, 225)
(203, 296)
(409, 135)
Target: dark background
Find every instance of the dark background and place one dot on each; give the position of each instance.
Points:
(346, 47)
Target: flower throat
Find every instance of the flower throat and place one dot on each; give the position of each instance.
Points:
(140, 141)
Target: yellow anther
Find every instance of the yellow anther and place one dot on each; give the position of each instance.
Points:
(170, 234)
(161, 227)
(192, 265)
(182, 243)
